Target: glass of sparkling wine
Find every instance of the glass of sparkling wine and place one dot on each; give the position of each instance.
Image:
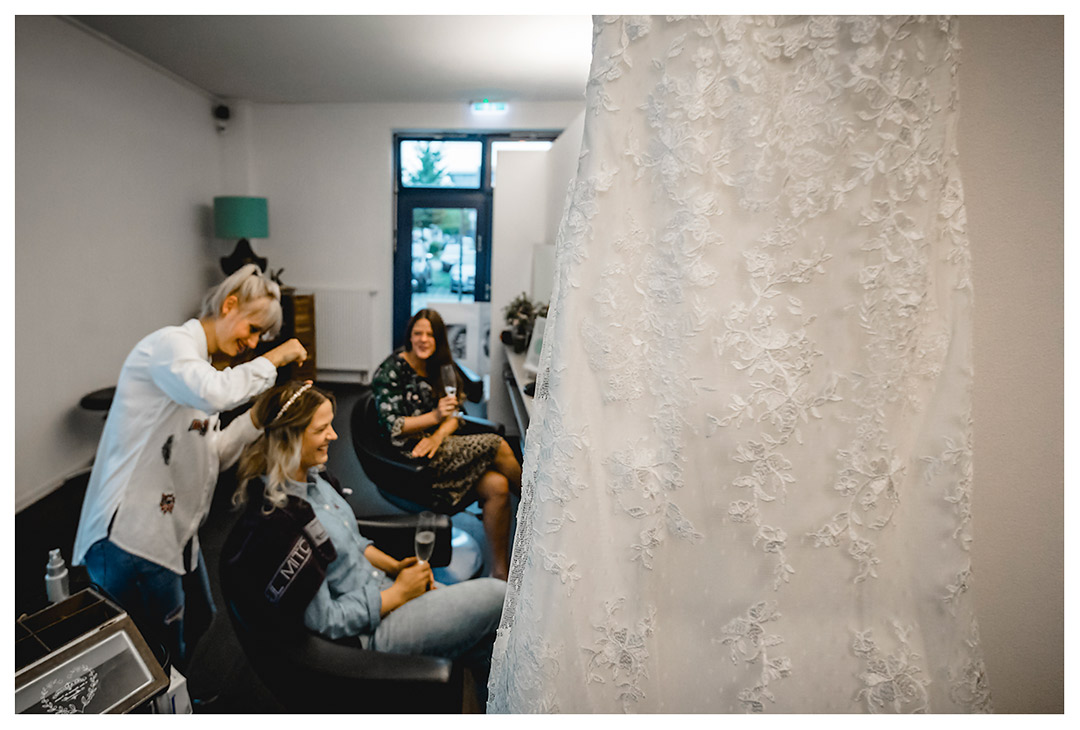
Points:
(449, 378)
(425, 536)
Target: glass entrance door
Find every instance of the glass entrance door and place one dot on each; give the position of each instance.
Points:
(443, 262)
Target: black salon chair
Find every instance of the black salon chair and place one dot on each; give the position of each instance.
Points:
(311, 674)
(472, 384)
(406, 483)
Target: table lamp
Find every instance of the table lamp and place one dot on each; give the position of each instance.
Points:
(236, 216)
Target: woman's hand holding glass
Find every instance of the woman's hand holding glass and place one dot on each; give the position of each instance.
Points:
(415, 579)
(446, 407)
(428, 445)
(450, 384)
(394, 568)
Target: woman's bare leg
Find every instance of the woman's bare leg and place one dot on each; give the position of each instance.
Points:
(507, 465)
(494, 492)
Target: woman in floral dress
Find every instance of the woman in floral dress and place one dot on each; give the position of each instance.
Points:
(418, 418)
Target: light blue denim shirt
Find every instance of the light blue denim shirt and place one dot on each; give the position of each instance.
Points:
(348, 602)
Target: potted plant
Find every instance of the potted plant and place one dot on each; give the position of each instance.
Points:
(520, 314)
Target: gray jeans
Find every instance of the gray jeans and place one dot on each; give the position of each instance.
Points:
(456, 622)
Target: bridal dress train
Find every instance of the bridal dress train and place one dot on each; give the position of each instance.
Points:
(748, 479)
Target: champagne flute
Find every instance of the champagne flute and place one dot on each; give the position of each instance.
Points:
(450, 381)
(424, 541)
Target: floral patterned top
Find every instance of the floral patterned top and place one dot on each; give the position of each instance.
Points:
(459, 462)
(400, 393)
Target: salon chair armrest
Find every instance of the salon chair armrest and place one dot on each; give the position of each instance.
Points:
(474, 424)
(395, 536)
(385, 457)
(473, 384)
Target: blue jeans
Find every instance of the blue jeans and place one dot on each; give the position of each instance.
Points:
(155, 597)
(456, 622)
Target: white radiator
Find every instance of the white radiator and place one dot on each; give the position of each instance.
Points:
(344, 330)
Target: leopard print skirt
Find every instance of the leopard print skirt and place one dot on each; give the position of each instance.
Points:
(459, 463)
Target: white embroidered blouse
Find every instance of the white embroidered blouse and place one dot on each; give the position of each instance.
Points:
(162, 447)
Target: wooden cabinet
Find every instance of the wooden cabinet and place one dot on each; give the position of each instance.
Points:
(298, 320)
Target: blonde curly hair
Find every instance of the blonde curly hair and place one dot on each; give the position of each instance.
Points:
(275, 454)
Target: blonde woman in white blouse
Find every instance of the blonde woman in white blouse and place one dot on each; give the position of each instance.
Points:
(162, 448)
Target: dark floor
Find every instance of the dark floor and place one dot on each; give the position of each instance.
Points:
(219, 671)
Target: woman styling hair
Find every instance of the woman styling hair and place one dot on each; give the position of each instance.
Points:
(394, 608)
(161, 450)
(418, 418)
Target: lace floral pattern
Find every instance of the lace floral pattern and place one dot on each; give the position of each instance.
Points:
(953, 468)
(561, 566)
(870, 489)
(891, 682)
(969, 686)
(752, 424)
(781, 397)
(539, 670)
(902, 344)
(750, 643)
(620, 654)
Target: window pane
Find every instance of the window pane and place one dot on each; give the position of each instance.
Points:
(440, 164)
(512, 145)
(443, 256)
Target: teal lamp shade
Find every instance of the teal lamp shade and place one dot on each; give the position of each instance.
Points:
(236, 216)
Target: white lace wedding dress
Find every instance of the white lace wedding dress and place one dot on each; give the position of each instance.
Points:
(748, 477)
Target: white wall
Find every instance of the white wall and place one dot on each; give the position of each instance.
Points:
(327, 170)
(518, 224)
(1011, 156)
(529, 218)
(115, 167)
(563, 160)
(563, 163)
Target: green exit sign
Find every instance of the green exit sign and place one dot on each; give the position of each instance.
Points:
(489, 107)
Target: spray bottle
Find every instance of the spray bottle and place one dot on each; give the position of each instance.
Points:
(56, 577)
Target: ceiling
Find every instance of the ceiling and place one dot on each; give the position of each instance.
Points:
(365, 58)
